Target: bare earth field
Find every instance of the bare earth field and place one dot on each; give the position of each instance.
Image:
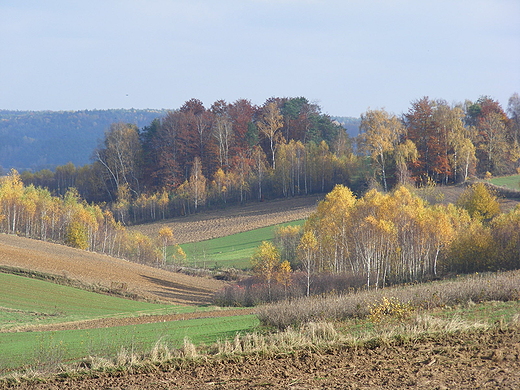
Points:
(480, 360)
(97, 269)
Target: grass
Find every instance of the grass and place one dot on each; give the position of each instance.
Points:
(41, 349)
(310, 336)
(232, 251)
(448, 293)
(512, 181)
(31, 302)
(25, 301)
(438, 308)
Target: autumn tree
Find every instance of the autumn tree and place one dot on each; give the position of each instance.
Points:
(196, 135)
(379, 134)
(480, 202)
(494, 147)
(165, 237)
(242, 114)
(287, 238)
(298, 114)
(260, 168)
(222, 131)
(269, 125)
(307, 254)
(197, 184)
(458, 147)
(405, 153)
(265, 262)
(430, 140)
(120, 156)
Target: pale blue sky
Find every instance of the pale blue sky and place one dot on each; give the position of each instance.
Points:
(345, 55)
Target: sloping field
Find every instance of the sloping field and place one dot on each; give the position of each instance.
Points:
(236, 219)
(149, 282)
(102, 270)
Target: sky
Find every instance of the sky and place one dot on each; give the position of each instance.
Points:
(345, 55)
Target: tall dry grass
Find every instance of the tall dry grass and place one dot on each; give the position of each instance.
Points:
(504, 286)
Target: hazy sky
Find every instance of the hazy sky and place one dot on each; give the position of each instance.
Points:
(345, 55)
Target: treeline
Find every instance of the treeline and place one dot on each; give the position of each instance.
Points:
(207, 157)
(441, 142)
(33, 212)
(382, 239)
(234, 152)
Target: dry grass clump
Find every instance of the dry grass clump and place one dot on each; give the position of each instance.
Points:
(503, 286)
(313, 335)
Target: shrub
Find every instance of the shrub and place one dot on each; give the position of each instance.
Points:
(389, 308)
(253, 291)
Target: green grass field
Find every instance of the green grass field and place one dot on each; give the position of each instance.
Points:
(233, 251)
(512, 181)
(26, 301)
(46, 348)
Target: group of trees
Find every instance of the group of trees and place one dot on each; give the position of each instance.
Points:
(381, 239)
(34, 212)
(441, 142)
(233, 152)
(196, 156)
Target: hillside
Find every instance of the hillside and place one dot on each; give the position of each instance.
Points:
(234, 219)
(101, 270)
(44, 139)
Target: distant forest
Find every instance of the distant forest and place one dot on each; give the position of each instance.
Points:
(35, 140)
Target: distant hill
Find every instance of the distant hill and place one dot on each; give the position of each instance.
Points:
(36, 140)
(349, 123)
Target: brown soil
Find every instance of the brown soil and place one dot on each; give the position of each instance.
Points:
(481, 360)
(96, 269)
(236, 219)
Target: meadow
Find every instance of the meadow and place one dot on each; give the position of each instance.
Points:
(512, 181)
(47, 350)
(25, 301)
(233, 251)
(31, 304)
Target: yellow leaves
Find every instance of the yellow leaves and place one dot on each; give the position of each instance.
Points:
(77, 236)
(389, 308)
(308, 243)
(178, 255)
(480, 203)
(394, 236)
(284, 273)
(265, 260)
(165, 234)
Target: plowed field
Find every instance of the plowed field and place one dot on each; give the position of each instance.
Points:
(97, 269)
(481, 360)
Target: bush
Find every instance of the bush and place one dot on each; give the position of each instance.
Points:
(253, 291)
